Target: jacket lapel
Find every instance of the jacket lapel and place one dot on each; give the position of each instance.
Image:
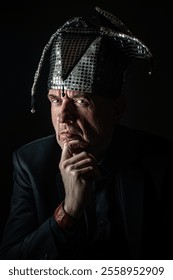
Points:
(130, 185)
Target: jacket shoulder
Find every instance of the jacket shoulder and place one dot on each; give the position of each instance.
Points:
(144, 141)
(35, 144)
(38, 149)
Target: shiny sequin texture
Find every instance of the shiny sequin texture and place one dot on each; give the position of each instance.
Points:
(91, 55)
(82, 74)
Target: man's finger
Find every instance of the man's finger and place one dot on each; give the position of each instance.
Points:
(72, 147)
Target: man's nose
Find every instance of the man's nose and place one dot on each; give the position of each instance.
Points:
(67, 112)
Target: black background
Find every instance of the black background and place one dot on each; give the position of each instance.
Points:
(25, 28)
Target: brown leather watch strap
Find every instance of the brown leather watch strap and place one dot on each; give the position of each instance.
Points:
(64, 220)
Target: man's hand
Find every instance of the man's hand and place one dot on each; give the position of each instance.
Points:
(78, 168)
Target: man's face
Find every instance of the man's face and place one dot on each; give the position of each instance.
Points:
(84, 117)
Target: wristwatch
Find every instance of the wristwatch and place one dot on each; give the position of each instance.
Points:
(64, 220)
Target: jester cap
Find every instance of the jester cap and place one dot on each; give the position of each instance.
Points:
(91, 55)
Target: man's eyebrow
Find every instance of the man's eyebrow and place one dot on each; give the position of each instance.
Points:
(53, 95)
(79, 94)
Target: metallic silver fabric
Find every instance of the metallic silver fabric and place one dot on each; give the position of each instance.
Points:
(75, 53)
(91, 55)
(81, 76)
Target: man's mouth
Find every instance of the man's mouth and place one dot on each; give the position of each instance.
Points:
(66, 137)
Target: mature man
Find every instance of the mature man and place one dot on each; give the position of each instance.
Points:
(94, 189)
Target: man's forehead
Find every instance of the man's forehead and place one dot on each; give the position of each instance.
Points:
(69, 93)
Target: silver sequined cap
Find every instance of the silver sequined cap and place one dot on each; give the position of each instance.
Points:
(73, 63)
(91, 55)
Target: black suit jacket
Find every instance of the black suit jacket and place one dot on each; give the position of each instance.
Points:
(142, 165)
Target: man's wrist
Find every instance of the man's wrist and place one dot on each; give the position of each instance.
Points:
(63, 219)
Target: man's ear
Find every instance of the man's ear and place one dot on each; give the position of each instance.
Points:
(120, 104)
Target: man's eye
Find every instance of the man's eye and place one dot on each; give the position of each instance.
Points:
(81, 101)
(54, 100)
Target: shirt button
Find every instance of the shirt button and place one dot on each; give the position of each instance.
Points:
(102, 222)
